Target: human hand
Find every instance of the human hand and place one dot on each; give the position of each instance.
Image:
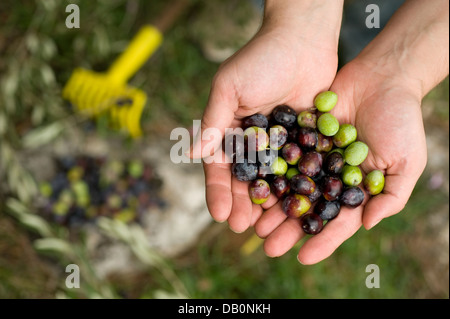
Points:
(386, 113)
(380, 93)
(284, 63)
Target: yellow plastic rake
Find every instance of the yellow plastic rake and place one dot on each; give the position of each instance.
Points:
(93, 93)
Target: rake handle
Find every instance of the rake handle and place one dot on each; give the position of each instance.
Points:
(141, 47)
(145, 43)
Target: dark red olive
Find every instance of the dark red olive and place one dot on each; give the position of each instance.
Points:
(332, 187)
(280, 186)
(302, 184)
(311, 223)
(352, 197)
(327, 209)
(307, 138)
(295, 205)
(257, 119)
(310, 164)
(334, 163)
(291, 153)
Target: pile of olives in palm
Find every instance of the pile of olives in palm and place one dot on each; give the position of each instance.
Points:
(84, 188)
(308, 160)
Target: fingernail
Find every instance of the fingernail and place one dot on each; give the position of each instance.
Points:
(220, 221)
(236, 231)
(298, 259)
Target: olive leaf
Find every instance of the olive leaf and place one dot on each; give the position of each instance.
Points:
(42, 135)
(55, 245)
(135, 238)
(27, 218)
(3, 123)
(47, 75)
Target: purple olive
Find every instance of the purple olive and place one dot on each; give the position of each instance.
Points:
(259, 191)
(334, 163)
(295, 205)
(302, 184)
(284, 115)
(307, 118)
(291, 153)
(293, 134)
(244, 171)
(278, 136)
(280, 186)
(310, 164)
(311, 223)
(327, 209)
(332, 188)
(257, 119)
(352, 197)
(314, 196)
(307, 138)
(234, 147)
(324, 143)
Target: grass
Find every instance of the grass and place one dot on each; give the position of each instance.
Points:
(216, 268)
(38, 55)
(220, 271)
(23, 273)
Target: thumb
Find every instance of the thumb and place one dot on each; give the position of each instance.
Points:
(218, 115)
(392, 200)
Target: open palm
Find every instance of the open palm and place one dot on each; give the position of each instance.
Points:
(388, 119)
(273, 68)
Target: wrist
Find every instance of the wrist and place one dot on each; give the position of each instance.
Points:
(414, 55)
(381, 75)
(386, 71)
(317, 21)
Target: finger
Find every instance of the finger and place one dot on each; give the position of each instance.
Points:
(258, 210)
(241, 210)
(218, 115)
(391, 201)
(256, 214)
(400, 180)
(334, 233)
(218, 190)
(273, 199)
(283, 238)
(270, 220)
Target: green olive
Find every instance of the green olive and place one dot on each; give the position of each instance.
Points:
(279, 166)
(327, 124)
(356, 153)
(45, 188)
(345, 135)
(325, 101)
(292, 172)
(351, 175)
(374, 182)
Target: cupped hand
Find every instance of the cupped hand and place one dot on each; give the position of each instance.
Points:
(385, 109)
(275, 67)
